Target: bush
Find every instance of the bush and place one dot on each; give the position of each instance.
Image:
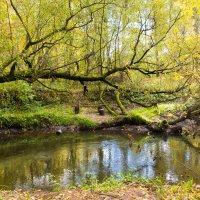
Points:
(42, 117)
(46, 96)
(16, 94)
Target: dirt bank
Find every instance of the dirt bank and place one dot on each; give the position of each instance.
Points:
(128, 191)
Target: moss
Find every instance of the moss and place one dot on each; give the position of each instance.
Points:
(151, 114)
(119, 103)
(43, 116)
(137, 118)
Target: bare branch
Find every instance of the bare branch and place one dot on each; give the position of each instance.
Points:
(160, 40)
(20, 18)
(50, 88)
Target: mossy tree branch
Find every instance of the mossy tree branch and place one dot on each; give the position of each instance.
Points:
(106, 105)
(119, 103)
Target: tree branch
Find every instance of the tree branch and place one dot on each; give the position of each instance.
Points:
(20, 18)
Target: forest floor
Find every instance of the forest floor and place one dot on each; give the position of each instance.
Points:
(128, 191)
(94, 115)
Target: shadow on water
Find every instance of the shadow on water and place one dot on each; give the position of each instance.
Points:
(34, 162)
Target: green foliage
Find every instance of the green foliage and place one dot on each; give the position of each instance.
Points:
(91, 42)
(43, 116)
(18, 94)
(46, 96)
(159, 187)
(180, 190)
(137, 117)
(51, 96)
(53, 184)
(148, 115)
(108, 184)
(156, 188)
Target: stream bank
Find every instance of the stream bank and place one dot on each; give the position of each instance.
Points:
(187, 127)
(59, 118)
(128, 190)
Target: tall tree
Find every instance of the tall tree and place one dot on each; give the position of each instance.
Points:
(96, 41)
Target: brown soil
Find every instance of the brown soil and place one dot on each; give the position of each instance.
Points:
(129, 192)
(93, 114)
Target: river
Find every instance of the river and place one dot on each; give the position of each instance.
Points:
(42, 160)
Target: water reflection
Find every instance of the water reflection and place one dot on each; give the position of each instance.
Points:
(68, 161)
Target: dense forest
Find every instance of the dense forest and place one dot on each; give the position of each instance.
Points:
(76, 65)
(143, 52)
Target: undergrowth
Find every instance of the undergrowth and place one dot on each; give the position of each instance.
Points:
(42, 117)
(115, 181)
(156, 187)
(161, 189)
(148, 115)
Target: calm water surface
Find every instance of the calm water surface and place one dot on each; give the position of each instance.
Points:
(68, 159)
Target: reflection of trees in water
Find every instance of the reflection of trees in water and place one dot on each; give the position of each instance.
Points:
(161, 156)
(69, 162)
(175, 157)
(124, 162)
(20, 170)
(100, 163)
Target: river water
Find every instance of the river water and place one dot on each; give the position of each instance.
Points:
(43, 160)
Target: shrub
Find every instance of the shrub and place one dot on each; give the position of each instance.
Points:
(42, 117)
(16, 94)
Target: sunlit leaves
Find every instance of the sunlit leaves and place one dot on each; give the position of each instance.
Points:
(91, 38)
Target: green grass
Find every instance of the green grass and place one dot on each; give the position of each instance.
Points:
(61, 115)
(158, 186)
(152, 114)
(115, 181)
(42, 117)
(118, 184)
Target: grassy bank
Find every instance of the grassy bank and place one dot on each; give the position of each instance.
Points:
(128, 187)
(55, 115)
(153, 114)
(155, 187)
(62, 115)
